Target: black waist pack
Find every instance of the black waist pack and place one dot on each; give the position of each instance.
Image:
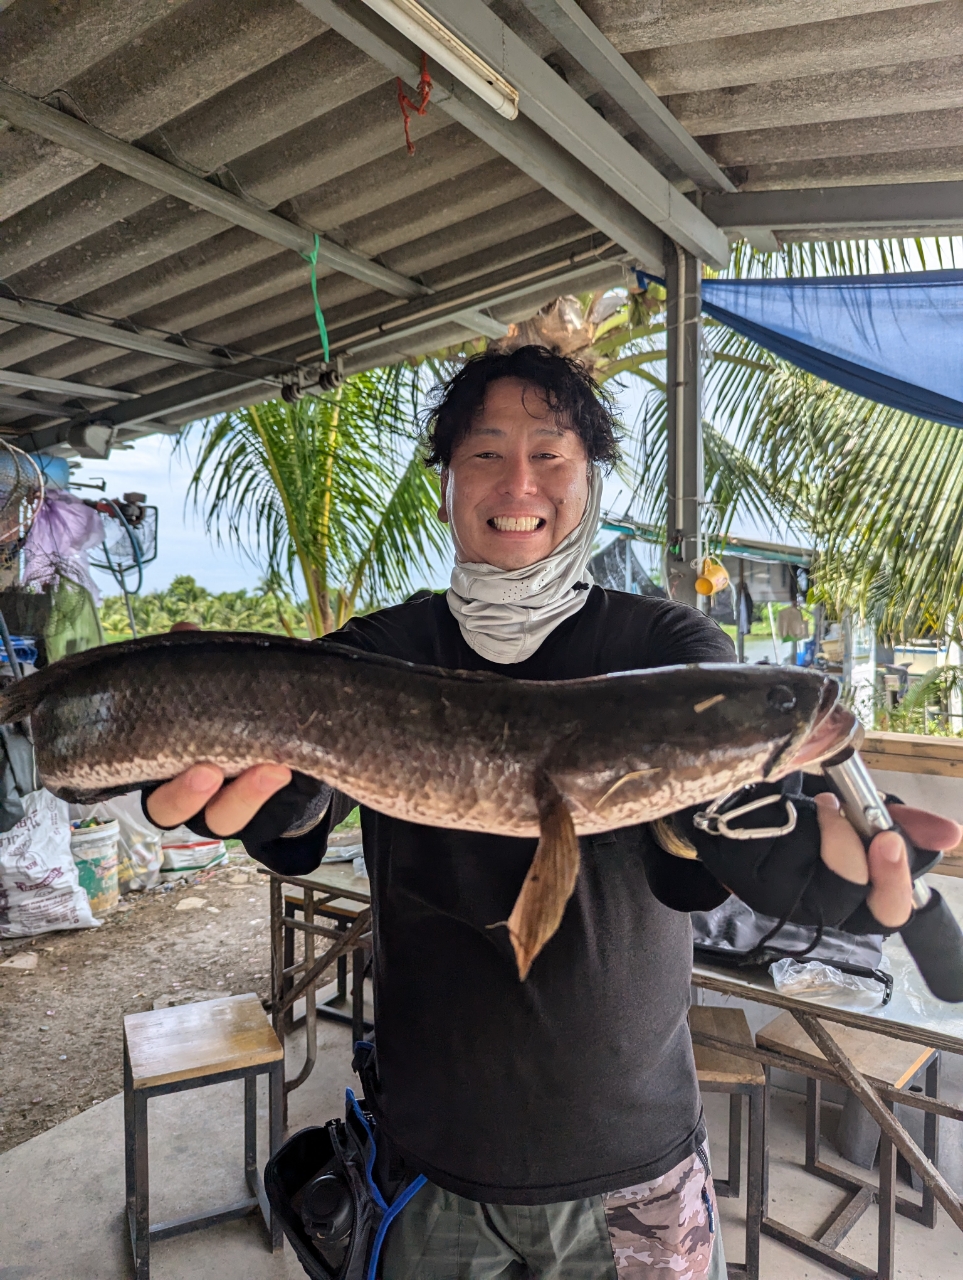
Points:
(323, 1186)
(735, 935)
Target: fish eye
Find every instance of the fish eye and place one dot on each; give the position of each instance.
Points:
(781, 698)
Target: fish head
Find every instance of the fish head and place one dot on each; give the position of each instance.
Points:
(701, 731)
(785, 716)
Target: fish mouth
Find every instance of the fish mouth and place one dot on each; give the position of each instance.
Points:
(835, 729)
(516, 524)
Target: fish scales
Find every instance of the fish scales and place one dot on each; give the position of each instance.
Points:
(463, 750)
(453, 749)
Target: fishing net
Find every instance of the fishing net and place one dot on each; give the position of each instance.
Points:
(21, 493)
(125, 545)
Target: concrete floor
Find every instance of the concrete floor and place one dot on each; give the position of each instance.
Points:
(62, 1193)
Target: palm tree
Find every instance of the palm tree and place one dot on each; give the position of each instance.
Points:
(878, 491)
(331, 489)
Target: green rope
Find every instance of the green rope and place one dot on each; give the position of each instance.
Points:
(318, 313)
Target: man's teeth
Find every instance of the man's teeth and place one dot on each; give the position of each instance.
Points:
(516, 524)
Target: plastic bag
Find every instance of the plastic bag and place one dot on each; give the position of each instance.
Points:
(39, 888)
(825, 984)
(140, 854)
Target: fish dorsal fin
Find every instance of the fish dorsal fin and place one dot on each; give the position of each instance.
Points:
(541, 902)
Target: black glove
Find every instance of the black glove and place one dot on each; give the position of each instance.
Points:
(292, 811)
(779, 876)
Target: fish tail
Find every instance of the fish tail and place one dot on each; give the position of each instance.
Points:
(550, 881)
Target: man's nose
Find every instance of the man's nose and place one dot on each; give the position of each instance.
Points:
(518, 478)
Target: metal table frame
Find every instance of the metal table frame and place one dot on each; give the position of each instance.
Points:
(878, 1099)
(291, 979)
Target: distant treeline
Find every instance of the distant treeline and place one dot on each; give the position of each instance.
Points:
(264, 609)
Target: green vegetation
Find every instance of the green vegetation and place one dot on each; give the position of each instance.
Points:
(185, 601)
(330, 493)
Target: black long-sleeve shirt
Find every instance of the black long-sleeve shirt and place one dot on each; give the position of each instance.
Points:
(581, 1079)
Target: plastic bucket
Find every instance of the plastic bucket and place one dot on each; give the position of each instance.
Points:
(94, 850)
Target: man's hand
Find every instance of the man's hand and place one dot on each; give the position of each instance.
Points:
(226, 808)
(885, 866)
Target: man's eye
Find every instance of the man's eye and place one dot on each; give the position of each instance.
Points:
(486, 455)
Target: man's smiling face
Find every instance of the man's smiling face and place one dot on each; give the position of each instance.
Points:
(517, 483)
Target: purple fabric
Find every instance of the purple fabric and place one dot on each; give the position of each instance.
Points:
(63, 531)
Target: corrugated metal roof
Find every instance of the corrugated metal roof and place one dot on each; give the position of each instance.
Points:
(263, 101)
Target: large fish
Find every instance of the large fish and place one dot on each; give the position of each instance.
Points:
(476, 752)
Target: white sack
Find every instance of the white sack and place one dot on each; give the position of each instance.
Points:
(39, 890)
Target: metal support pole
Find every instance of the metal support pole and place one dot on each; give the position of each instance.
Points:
(683, 279)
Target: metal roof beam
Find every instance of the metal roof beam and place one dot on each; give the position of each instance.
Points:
(42, 316)
(497, 287)
(27, 113)
(519, 141)
(26, 406)
(842, 213)
(557, 109)
(480, 323)
(34, 382)
(580, 37)
(364, 355)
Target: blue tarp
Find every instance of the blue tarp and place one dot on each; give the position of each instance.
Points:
(895, 339)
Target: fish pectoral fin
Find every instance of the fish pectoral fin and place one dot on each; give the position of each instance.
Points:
(541, 902)
(627, 780)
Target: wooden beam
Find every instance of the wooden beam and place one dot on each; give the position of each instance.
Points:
(913, 753)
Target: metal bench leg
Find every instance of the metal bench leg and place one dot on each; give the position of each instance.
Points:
(814, 1107)
(931, 1140)
(276, 1101)
(357, 994)
(757, 1169)
(887, 1206)
(250, 1129)
(735, 1144)
(138, 1183)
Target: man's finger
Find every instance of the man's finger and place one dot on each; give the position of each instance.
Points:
(236, 804)
(184, 796)
(891, 897)
(839, 845)
(927, 830)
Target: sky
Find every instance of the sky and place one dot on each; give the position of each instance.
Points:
(154, 466)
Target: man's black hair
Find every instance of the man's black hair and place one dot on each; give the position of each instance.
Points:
(570, 391)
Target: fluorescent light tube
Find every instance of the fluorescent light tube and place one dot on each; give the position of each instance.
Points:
(408, 17)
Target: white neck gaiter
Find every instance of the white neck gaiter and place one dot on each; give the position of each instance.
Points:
(505, 614)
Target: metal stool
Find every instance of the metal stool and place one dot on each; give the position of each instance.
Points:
(882, 1060)
(168, 1050)
(725, 1073)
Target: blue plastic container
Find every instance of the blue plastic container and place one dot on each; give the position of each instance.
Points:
(25, 647)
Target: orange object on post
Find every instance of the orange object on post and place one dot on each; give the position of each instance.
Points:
(712, 579)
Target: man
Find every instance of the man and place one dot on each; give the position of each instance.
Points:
(557, 1120)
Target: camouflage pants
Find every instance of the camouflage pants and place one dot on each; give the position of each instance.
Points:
(665, 1229)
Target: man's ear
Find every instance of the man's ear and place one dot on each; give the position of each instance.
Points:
(443, 509)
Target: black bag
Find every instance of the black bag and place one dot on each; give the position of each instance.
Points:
(322, 1185)
(736, 936)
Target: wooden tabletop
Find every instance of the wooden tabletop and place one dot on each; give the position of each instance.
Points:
(714, 1064)
(331, 877)
(880, 1058)
(166, 1045)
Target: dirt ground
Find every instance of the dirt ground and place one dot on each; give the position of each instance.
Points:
(60, 1021)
